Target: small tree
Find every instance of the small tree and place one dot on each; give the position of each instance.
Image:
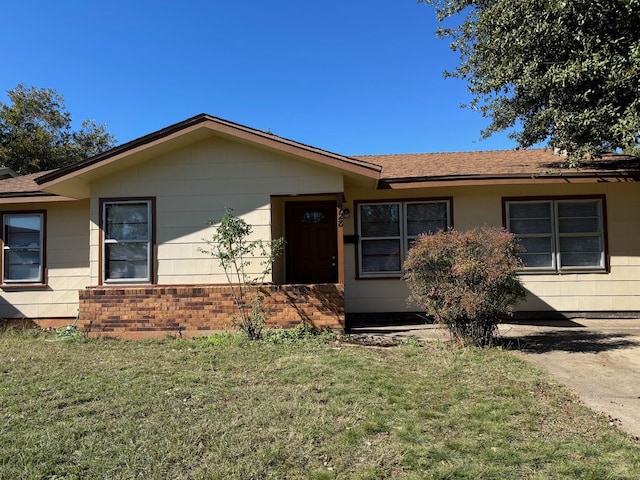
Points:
(230, 245)
(466, 281)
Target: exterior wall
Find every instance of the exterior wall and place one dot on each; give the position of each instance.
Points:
(196, 183)
(187, 310)
(67, 264)
(618, 290)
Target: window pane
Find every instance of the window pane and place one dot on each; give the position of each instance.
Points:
(580, 252)
(538, 251)
(312, 216)
(578, 209)
(22, 249)
(22, 230)
(580, 259)
(127, 260)
(579, 225)
(580, 244)
(128, 231)
(530, 217)
(530, 210)
(536, 244)
(22, 265)
(381, 255)
(532, 226)
(426, 218)
(381, 220)
(127, 221)
(537, 259)
(578, 217)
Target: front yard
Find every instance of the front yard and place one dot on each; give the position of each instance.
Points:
(312, 409)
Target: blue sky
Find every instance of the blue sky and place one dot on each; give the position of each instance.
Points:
(349, 76)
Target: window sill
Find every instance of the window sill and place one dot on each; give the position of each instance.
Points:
(124, 283)
(563, 272)
(23, 286)
(382, 276)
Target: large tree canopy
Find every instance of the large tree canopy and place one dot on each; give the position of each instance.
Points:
(563, 71)
(36, 133)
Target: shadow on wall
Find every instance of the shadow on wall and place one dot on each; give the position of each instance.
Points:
(316, 305)
(10, 316)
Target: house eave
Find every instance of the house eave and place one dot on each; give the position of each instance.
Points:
(32, 197)
(508, 179)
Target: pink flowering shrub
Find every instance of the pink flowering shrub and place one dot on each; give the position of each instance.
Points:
(466, 280)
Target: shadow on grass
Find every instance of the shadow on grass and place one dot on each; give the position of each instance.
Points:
(568, 341)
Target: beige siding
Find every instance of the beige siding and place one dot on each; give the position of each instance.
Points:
(618, 290)
(195, 184)
(67, 241)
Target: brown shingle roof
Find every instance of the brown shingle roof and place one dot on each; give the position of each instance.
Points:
(23, 185)
(490, 163)
(494, 164)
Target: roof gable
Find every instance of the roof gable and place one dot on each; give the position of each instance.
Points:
(192, 130)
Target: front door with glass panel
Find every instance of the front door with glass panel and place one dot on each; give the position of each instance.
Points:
(312, 242)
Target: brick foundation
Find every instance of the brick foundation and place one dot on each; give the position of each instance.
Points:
(192, 310)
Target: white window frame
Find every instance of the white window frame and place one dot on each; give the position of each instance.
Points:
(403, 237)
(7, 249)
(556, 235)
(147, 278)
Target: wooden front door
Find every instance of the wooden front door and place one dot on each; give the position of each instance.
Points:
(312, 244)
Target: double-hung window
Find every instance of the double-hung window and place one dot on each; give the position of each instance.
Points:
(386, 231)
(23, 249)
(127, 245)
(559, 234)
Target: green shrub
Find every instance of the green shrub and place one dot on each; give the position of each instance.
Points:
(466, 281)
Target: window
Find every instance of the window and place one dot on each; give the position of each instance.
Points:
(127, 246)
(386, 231)
(559, 235)
(23, 250)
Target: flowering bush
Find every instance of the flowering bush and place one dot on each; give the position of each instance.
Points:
(466, 280)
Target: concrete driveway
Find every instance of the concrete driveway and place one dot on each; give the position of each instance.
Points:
(597, 359)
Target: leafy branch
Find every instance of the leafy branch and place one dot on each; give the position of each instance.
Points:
(237, 255)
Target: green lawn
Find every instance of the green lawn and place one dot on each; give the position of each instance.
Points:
(312, 409)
